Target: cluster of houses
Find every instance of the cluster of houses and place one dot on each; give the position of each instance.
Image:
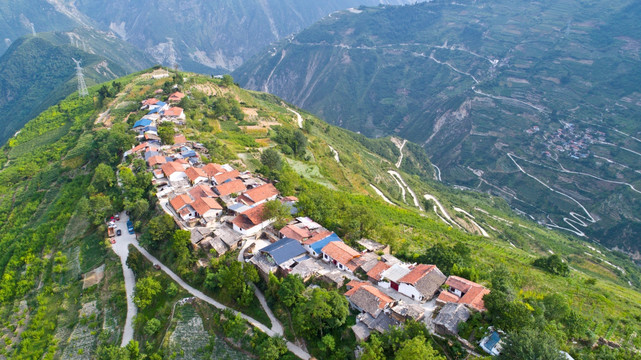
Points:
(383, 289)
(224, 209)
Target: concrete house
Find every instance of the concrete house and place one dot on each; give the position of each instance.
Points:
(182, 206)
(341, 255)
(251, 221)
(196, 175)
(317, 242)
(174, 171)
(259, 195)
(463, 291)
(392, 276)
(208, 209)
(367, 298)
(230, 187)
(422, 282)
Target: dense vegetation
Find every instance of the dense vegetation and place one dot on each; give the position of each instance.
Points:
(37, 72)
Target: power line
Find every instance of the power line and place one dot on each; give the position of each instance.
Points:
(82, 87)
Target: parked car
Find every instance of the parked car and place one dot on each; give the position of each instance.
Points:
(113, 241)
(118, 232)
(156, 266)
(130, 227)
(117, 217)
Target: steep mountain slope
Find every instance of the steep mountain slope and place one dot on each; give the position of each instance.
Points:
(530, 101)
(53, 201)
(22, 17)
(209, 36)
(37, 72)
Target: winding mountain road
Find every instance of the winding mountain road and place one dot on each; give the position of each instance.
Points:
(299, 119)
(121, 248)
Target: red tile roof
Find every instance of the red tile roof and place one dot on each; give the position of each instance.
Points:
(418, 272)
(140, 147)
(174, 111)
(231, 187)
(342, 253)
(180, 201)
(180, 139)
(152, 101)
(156, 160)
(172, 167)
(221, 178)
(447, 296)
(177, 96)
(375, 272)
(202, 190)
(317, 237)
(212, 169)
(194, 173)
(250, 218)
(259, 193)
(472, 292)
(202, 205)
(294, 232)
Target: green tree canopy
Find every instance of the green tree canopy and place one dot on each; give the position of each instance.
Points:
(417, 349)
(530, 344)
(322, 312)
(146, 289)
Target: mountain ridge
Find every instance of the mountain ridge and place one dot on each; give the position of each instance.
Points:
(498, 104)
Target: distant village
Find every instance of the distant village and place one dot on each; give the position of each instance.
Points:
(224, 209)
(570, 140)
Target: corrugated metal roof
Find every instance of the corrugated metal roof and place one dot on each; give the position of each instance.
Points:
(284, 249)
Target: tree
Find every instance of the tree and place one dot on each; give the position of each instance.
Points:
(137, 207)
(275, 209)
(228, 80)
(290, 290)
(324, 311)
(553, 264)
(104, 177)
(180, 246)
(373, 350)
(135, 260)
(146, 289)
(102, 208)
(271, 159)
(273, 285)
(272, 348)
(152, 326)
(161, 228)
(530, 344)
(417, 349)
(166, 133)
(133, 349)
(444, 257)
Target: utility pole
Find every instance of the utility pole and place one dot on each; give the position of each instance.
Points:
(82, 87)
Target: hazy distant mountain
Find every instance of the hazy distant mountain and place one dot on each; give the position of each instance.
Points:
(537, 102)
(210, 35)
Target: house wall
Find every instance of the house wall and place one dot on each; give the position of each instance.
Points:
(253, 230)
(311, 251)
(410, 291)
(200, 179)
(384, 284)
(178, 176)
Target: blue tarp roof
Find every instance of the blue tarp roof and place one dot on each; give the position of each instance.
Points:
(160, 104)
(491, 342)
(142, 122)
(188, 154)
(320, 244)
(153, 111)
(284, 249)
(150, 128)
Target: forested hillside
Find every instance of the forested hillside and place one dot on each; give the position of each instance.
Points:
(533, 102)
(64, 175)
(37, 72)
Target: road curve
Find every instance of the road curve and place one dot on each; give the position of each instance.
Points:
(200, 295)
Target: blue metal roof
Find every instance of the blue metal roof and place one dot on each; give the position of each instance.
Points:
(284, 249)
(160, 104)
(149, 154)
(142, 122)
(153, 111)
(320, 244)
